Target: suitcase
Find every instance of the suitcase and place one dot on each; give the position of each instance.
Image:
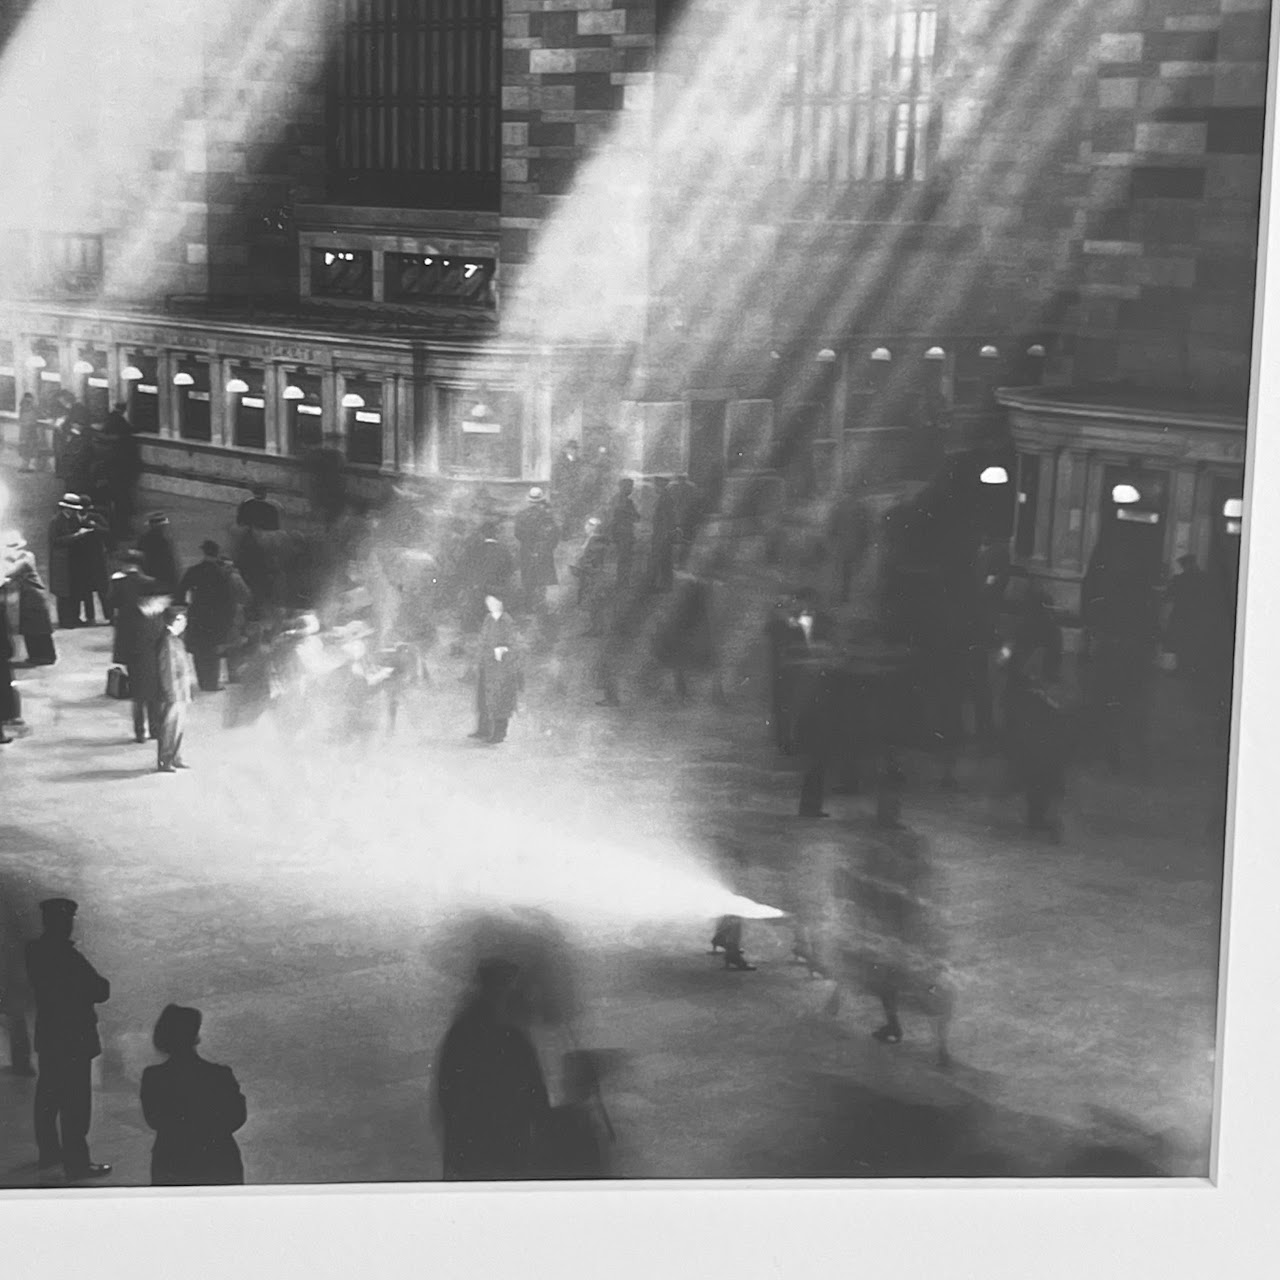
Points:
(117, 683)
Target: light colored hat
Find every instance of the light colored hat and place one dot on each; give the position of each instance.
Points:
(70, 500)
(536, 495)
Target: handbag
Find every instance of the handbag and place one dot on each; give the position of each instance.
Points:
(117, 683)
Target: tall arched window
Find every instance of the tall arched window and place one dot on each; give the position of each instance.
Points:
(415, 104)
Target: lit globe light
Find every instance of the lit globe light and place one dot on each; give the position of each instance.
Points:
(294, 393)
(1233, 508)
(994, 475)
(989, 352)
(935, 353)
(82, 367)
(882, 355)
(238, 387)
(1124, 495)
(183, 379)
(352, 401)
(1036, 350)
(480, 411)
(131, 373)
(36, 362)
(826, 356)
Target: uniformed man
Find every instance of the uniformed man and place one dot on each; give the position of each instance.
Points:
(66, 988)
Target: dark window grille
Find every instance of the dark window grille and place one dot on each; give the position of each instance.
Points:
(195, 417)
(342, 273)
(142, 406)
(248, 410)
(364, 424)
(415, 104)
(462, 282)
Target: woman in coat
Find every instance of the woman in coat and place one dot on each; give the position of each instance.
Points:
(194, 1106)
(25, 600)
(498, 686)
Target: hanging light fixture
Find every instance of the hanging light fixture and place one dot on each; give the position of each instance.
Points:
(238, 387)
(1124, 495)
(1036, 350)
(183, 379)
(131, 373)
(994, 475)
(294, 393)
(989, 352)
(1233, 508)
(480, 411)
(826, 356)
(882, 355)
(36, 362)
(352, 401)
(82, 367)
(935, 353)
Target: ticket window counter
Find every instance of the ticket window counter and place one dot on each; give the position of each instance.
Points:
(92, 384)
(484, 431)
(362, 420)
(246, 408)
(195, 418)
(997, 495)
(140, 378)
(45, 378)
(1133, 518)
(303, 412)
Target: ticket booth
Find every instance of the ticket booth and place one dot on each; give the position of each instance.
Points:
(195, 419)
(246, 407)
(362, 420)
(92, 385)
(303, 411)
(1134, 508)
(140, 382)
(44, 377)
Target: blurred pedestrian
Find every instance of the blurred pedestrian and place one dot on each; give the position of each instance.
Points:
(498, 686)
(686, 640)
(663, 537)
(686, 500)
(69, 569)
(490, 1089)
(623, 518)
(537, 534)
(206, 591)
(123, 471)
(159, 555)
(15, 989)
(259, 512)
(92, 550)
(29, 444)
(24, 598)
(577, 1130)
(137, 606)
(488, 568)
(10, 703)
(567, 483)
(177, 688)
(194, 1106)
(589, 569)
(66, 988)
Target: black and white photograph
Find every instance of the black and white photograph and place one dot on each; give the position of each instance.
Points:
(603, 590)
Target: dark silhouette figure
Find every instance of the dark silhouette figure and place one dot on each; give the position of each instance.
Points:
(623, 518)
(66, 988)
(206, 590)
(136, 602)
(259, 512)
(176, 682)
(491, 1091)
(538, 534)
(662, 546)
(498, 682)
(567, 483)
(576, 1132)
(159, 555)
(194, 1106)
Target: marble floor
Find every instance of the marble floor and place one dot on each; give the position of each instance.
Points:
(318, 900)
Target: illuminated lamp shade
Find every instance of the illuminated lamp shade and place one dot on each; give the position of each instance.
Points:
(294, 393)
(826, 355)
(935, 353)
(238, 387)
(1233, 508)
(775, 355)
(1035, 349)
(131, 373)
(994, 475)
(82, 366)
(36, 362)
(183, 379)
(882, 355)
(989, 352)
(1124, 495)
(352, 401)
(480, 411)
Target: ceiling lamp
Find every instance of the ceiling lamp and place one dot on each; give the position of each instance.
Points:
(1233, 508)
(82, 366)
(775, 355)
(294, 393)
(238, 387)
(989, 352)
(935, 353)
(882, 354)
(827, 356)
(183, 379)
(36, 362)
(352, 401)
(1124, 495)
(1035, 349)
(480, 411)
(131, 373)
(994, 475)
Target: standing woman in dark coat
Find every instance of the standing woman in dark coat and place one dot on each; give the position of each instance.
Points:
(194, 1106)
(498, 686)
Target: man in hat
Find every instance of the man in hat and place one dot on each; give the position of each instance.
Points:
(206, 591)
(177, 686)
(66, 988)
(538, 534)
(136, 606)
(259, 512)
(159, 555)
(67, 570)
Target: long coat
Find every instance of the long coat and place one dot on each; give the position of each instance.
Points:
(176, 674)
(67, 987)
(160, 558)
(66, 575)
(135, 632)
(195, 1107)
(29, 595)
(498, 688)
(537, 533)
(492, 1096)
(206, 587)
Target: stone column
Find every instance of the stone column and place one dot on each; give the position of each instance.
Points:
(166, 395)
(1182, 511)
(274, 409)
(219, 424)
(1042, 546)
(391, 450)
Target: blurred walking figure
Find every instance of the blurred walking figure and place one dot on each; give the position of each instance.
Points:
(123, 470)
(194, 1106)
(10, 700)
(206, 591)
(589, 569)
(177, 687)
(159, 555)
(137, 606)
(259, 512)
(29, 449)
(498, 688)
(623, 518)
(567, 483)
(490, 1089)
(24, 598)
(686, 504)
(575, 1137)
(92, 549)
(538, 535)
(15, 989)
(487, 568)
(686, 642)
(66, 988)
(663, 538)
(69, 572)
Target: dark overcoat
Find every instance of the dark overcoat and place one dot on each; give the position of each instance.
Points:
(66, 987)
(33, 608)
(64, 580)
(195, 1108)
(498, 688)
(211, 606)
(135, 632)
(160, 558)
(538, 534)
